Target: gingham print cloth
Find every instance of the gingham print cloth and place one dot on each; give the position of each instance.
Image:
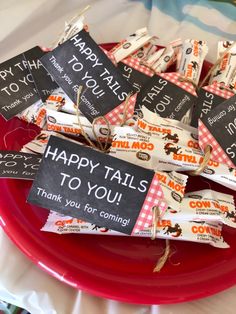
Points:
(155, 197)
(174, 78)
(135, 64)
(115, 116)
(206, 138)
(218, 89)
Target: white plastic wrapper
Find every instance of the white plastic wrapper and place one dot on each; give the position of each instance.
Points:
(225, 71)
(149, 61)
(39, 143)
(59, 101)
(193, 55)
(145, 50)
(75, 25)
(157, 154)
(173, 186)
(206, 232)
(35, 114)
(131, 44)
(162, 59)
(167, 129)
(205, 205)
(68, 124)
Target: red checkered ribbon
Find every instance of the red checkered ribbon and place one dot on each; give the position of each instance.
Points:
(115, 116)
(174, 78)
(215, 89)
(135, 64)
(206, 138)
(155, 197)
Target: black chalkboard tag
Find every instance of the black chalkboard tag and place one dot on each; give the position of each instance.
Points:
(80, 61)
(133, 72)
(18, 165)
(167, 96)
(44, 82)
(218, 129)
(80, 182)
(209, 97)
(17, 89)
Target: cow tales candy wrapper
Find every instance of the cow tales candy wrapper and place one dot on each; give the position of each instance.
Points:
(158, 154)
(35, 114)
(225, 70)
(168, 129)
(194, 53)
(205, 232)
(173, 186)
(205, 205)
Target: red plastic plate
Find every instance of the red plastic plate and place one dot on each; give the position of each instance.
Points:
(113, 267)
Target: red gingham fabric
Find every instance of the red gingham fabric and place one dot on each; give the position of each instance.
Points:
(215, 89)
(135, 64)
(154, 197)
(115, 116)
(173, 77)
(218, 154)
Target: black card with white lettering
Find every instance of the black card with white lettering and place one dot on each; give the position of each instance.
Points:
(18, 165)
(80, 61)
(165, 98)
(136, 78)
(80, 182)
(206, 101)
(17, 89)
(44, 82)
(218, 129)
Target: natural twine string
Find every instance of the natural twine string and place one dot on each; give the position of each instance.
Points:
(187, 80)
(124, 119)
(100, 144)
(102, 148)
(33, 132)
(155, 218)
(216, 64)
(223, 87)
(78, 118)
(60, 36)
(126, 105)
(163, 259)
(203, 165)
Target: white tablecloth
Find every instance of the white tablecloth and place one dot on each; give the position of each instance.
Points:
(27, 23)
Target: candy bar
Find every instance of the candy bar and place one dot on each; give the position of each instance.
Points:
(194, 52)
(167, 129)
(72, 27)
(131, 44)
(145, 51)
(35, 114)
(68, 124)
(224, 71)
(157, 154)
(205, 205)
(204, 232)
(173, 186)
(59, 101)
(39, 143)
(162, 59)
